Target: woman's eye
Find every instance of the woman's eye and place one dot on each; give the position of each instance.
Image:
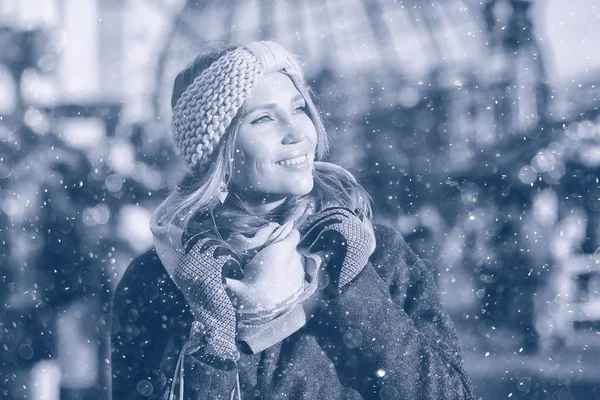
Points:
(300, 109)
(264, 118)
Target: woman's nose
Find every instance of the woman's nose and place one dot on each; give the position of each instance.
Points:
(293, 134)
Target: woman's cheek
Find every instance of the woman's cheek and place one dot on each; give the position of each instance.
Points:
(310, 130)
(260, 173)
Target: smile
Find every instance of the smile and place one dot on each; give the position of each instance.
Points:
(296, 163)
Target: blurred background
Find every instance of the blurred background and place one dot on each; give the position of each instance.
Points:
(474, 125)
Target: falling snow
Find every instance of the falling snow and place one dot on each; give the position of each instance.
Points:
(474, 126)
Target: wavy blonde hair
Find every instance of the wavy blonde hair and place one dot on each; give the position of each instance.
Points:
(198, 209)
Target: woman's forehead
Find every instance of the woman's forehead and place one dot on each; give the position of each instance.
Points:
(273, 87)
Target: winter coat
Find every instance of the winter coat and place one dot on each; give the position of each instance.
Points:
(386, 336)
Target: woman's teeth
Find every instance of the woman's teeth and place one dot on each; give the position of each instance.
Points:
(293, 161)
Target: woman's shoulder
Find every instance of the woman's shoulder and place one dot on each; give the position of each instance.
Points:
(149, 316)
(144, 268)
(389, 239)
(144, 282)
(392, 252)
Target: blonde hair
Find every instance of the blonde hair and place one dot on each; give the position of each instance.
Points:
(198, 209)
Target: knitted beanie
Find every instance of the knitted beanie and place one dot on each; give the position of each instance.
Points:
(207, 106)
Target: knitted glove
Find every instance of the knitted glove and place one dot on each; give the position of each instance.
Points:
(200, 275)
(346, 240)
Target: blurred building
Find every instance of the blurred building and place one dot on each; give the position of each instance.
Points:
(61, 93)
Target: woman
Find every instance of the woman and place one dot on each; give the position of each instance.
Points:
(267, 278)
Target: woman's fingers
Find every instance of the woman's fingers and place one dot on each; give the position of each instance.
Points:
(263, 233)
(300, 213)
(270, 233)
(319, 223)
(280, 233)
(288, 240)
(239, 241)
(276, 255)
(369, 227)
(312, 263)
(234, 286)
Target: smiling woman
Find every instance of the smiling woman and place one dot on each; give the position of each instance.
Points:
(267, 277)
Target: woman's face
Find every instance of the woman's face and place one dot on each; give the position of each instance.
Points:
(276, 141)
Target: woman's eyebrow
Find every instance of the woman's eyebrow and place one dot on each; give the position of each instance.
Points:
(260, 107)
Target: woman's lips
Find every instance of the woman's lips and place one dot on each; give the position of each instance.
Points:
(296, 163)
(292, 161)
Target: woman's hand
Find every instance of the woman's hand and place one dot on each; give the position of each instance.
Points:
(274, 274)
(244, 244)
(343, 240)
(269, 233)
(199, 275)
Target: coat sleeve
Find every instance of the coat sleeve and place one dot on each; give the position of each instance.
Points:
(397, 341)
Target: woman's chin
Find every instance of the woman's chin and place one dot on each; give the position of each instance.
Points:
(296, 188)
(303, 186)
(295, 184)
